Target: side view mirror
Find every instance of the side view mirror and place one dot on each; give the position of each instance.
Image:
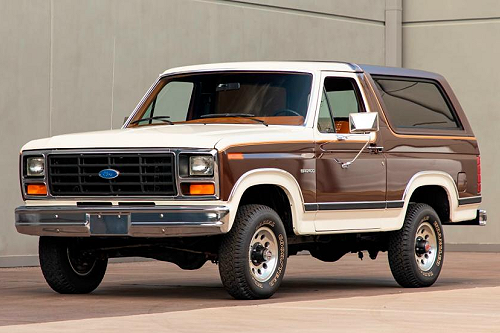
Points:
(363, 122)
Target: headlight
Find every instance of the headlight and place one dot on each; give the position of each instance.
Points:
(201, 165)
(35, 166)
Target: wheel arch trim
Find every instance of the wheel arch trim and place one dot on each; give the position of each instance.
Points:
(268, 176)
(445, 181)
(436, 178)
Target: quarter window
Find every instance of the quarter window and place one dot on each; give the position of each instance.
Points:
(414, 104)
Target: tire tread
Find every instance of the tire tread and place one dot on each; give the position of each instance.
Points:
(57, 275)
(233, 250)
(400, 260)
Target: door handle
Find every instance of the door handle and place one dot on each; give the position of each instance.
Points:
(341, 137)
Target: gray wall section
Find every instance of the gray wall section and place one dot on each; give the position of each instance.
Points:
(24, 103)
(458, 40)
(73, 66)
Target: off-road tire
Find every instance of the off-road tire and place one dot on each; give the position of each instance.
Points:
(402, 248)
(234, 257)
(58, 271)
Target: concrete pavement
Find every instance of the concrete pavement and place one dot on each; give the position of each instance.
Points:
(463, 310)
(349, 295)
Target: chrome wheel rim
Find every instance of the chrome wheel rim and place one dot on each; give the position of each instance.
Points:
(263, 254)
(80, 265)
(425, 246)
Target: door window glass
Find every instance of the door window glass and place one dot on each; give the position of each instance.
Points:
(325, 121)
(341, 97)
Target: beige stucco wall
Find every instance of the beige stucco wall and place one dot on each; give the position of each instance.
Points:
(459, 39)
(71, 65)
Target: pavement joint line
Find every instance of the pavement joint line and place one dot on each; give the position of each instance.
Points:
(380, 310)
(390, 296)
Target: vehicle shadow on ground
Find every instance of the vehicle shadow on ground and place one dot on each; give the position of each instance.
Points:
(291, 289)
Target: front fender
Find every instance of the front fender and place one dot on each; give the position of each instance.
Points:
(271, 176)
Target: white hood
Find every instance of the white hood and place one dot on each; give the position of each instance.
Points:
(171, 136)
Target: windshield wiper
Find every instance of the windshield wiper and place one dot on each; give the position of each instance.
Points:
(234, 115)
(161, 118)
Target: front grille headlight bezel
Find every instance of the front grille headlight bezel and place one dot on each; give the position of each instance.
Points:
(26, 178)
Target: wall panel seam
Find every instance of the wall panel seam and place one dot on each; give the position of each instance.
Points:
(290, 10)
(451, 21)
(51, 63)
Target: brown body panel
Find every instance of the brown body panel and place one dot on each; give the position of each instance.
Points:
(380, 176)
(288, 156)
(364, 180)
(453, 152)
(406, 157)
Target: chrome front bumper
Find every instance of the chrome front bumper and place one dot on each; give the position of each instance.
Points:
(132, 221)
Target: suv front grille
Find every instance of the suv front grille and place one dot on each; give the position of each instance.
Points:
(139, 174)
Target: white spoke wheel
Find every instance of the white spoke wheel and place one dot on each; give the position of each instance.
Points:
(425, 246)
(252, 256)
(416, 251)
(67, 269)
(263, 254)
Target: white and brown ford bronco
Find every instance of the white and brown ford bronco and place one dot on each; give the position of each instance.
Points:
(245, 164)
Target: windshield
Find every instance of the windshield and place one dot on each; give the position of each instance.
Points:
(249, 98)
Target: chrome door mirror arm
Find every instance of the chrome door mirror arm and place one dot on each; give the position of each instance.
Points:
(345, 165)
(365, 122)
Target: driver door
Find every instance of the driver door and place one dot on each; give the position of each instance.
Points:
(345, 195)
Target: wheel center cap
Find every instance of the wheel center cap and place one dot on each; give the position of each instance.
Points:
(267, 254)
(427, 247)
(422, 246)
(260, 254)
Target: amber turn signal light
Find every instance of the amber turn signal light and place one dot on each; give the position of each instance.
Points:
(36, 189)
(235, 156)
(201, 189)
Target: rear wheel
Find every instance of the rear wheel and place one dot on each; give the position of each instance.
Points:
(69, 270)
(252, 256)
(416, 252)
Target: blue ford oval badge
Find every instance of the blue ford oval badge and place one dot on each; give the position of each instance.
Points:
(108, 173)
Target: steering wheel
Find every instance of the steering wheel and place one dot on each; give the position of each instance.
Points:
(294, 113)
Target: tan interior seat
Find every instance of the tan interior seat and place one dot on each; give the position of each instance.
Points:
(341, 126)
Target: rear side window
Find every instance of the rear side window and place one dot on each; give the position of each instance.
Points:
(416, 104)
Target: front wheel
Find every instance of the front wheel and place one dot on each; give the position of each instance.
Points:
(69, 270)
(252, 256)
(416, 251)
